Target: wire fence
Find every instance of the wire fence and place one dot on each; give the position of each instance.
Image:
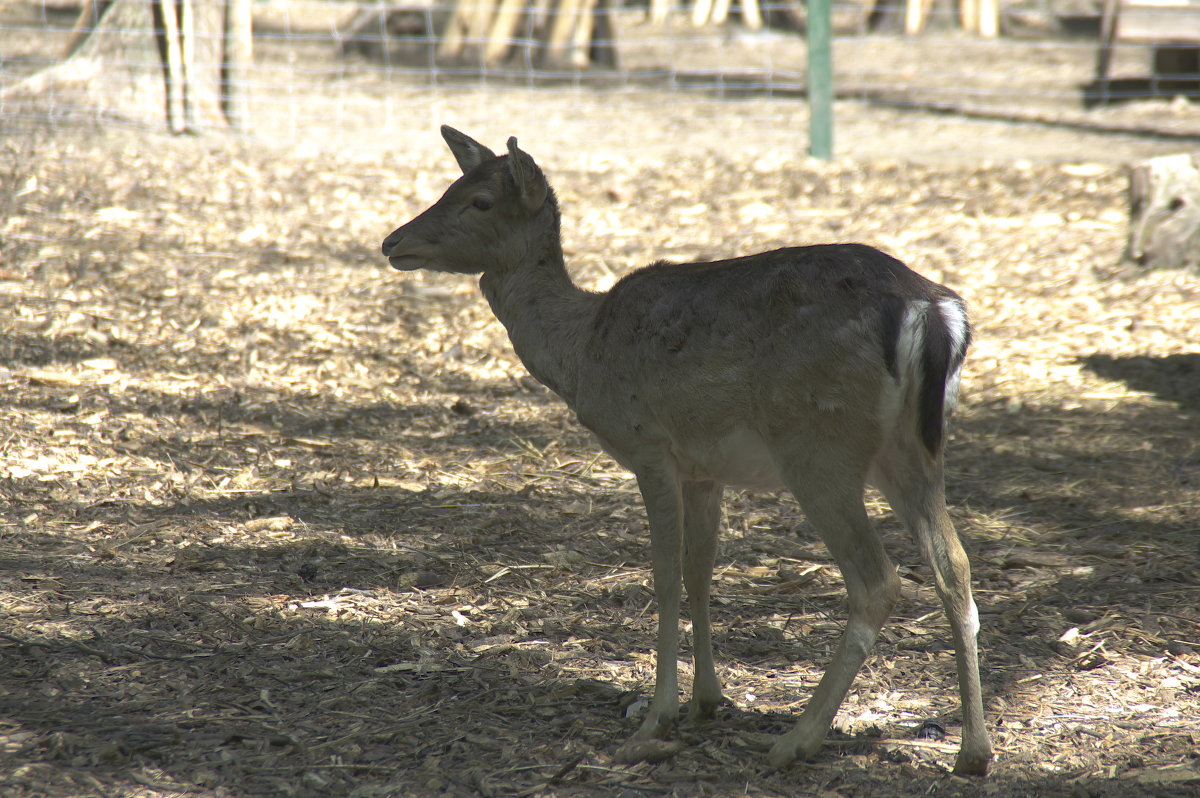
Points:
(340, 64)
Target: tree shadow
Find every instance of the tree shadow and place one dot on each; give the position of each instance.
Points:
(262, 659)
(1172, 378)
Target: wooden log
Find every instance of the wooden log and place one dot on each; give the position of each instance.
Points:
(88, 21)
(406, 33)
(500, 40)
(576, 33)
(581, 41)
(916, 13)
(968, 15)
(752, 14)
(454, 34)
(603, 46)
(561, 31)
(469, 26)
(481, 21)
(988, 20)
(1164, 196)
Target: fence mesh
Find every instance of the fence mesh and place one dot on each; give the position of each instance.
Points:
(345, 68)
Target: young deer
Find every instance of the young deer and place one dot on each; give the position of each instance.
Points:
(814, 368)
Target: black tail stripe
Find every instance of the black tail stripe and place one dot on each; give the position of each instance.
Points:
(935, 368)
(891, 321)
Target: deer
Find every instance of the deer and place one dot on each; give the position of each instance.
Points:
(821, 369)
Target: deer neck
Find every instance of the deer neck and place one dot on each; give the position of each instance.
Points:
(546, 316)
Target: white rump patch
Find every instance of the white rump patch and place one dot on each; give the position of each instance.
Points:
(955, 317)
(909, 345)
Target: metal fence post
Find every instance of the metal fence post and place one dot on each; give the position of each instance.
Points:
(820, 81)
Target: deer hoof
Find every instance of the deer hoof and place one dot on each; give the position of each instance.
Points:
(972, 764)
(647, 751)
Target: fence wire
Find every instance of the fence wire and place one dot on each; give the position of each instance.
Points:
(341, 66)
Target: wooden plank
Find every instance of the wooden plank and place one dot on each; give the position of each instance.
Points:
(1108, 32)
(1162, 21)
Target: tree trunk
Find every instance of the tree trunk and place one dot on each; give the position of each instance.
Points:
(182, 62)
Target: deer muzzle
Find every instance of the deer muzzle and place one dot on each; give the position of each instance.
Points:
(394, 247)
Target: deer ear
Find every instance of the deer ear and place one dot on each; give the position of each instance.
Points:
(467, 151)
(528, 176)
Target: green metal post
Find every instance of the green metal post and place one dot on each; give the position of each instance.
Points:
(820, 81)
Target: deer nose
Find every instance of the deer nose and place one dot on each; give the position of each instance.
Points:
(391, 241)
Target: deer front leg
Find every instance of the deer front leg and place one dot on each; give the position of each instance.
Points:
(701, 519)
(664, 509)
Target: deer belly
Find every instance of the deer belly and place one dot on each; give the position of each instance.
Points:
(740, 458)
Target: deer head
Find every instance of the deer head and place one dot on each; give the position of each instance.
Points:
(490, 219)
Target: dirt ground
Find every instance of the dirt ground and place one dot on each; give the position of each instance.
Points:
(277, 520)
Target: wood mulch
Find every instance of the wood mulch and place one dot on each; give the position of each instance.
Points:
(275, 520)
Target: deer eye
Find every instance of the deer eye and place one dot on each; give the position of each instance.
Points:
(482, 203)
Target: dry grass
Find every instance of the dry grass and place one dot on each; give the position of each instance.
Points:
(276, 520)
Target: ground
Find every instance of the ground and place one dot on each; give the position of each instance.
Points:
(276, 520)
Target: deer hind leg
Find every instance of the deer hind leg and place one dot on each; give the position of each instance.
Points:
(912, 482)
(701, 519)
(835, 507)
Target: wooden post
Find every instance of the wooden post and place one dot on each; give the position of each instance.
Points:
(187, 47)
(1108, 32)
(239, 57)
(166, 19)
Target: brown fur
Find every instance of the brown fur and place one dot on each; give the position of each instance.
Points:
(813, 368)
